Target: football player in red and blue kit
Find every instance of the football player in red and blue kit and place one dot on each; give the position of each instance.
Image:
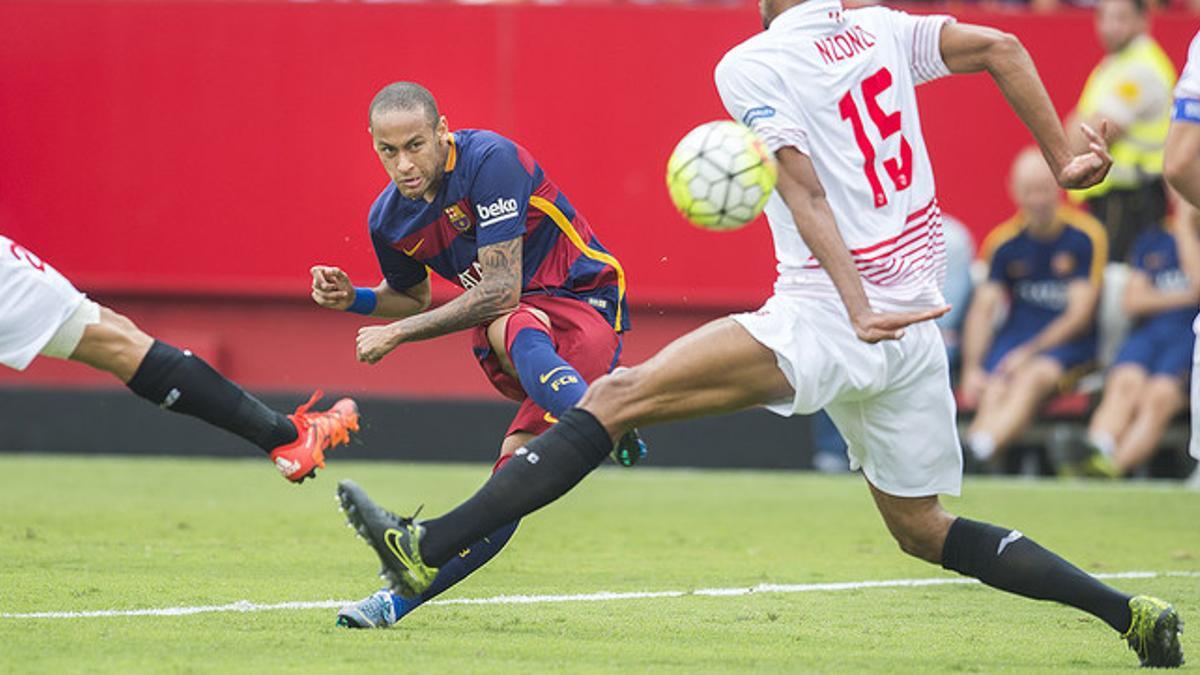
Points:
(544, 299)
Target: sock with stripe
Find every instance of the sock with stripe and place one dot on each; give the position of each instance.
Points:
(1010, 561)
(545, 376)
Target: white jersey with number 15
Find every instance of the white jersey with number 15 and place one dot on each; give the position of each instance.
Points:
(839, 86)
(1189, 80)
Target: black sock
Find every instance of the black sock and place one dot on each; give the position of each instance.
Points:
(1012, 562)
(541, 472)
(183, 382)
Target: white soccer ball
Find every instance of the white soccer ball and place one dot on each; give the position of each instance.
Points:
(720, 175)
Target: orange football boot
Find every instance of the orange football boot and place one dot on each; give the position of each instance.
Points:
(315, 433)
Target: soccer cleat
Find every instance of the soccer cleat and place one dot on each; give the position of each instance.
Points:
(316, 432)
(630, 449)
(1154, 632)
(377, 610)
(1088, 462)
(396, 540)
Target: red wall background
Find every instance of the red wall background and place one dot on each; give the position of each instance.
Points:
(217, 148)
(221, 147)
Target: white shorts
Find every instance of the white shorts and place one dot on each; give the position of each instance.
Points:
(891, 401)
(40, 311)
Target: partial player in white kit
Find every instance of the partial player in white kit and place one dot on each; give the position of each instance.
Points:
(857, 233)
(42, 313)
(1181, 167)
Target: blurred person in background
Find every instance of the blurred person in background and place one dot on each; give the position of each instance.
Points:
(1147, 383)
(1131, 89)
(42, 314)
(1048, 261)
(1182, 169)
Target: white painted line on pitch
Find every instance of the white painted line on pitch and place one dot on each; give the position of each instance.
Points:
(247, 606)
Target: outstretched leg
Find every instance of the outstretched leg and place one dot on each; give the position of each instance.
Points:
(1010, 561)
(179, 381)
(527, 350)
(717, 368)
(182, 382)
(384, 608)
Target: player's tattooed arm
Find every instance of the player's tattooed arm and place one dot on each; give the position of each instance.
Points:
(497, 293)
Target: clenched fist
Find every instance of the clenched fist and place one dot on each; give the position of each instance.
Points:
(374, 342)
(331, 287)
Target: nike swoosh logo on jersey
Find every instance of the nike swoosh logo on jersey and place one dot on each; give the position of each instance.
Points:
(410, 251)
(545, 378)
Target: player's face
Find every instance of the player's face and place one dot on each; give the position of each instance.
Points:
(412, 151)
(1118, 22)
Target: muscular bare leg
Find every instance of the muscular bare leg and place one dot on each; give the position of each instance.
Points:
(717, 368)
(115, 345)
(918, 524)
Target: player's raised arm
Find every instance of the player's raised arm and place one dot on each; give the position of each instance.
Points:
(968, 48)
(332, 289)
(801, 190)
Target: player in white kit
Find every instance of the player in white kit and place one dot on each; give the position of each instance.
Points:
(857, 233)
(41, 313)
(1181, 167)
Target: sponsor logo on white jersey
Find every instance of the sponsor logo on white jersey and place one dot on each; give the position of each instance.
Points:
(501, 209)
(758, 113)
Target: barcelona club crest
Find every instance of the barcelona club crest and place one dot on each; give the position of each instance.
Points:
(1063, 264)
(458, 218)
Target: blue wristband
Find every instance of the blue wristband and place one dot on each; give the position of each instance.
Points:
(1187, 110)
(364, 301)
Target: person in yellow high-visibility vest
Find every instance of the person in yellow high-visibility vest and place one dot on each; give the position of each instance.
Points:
(1131, 88)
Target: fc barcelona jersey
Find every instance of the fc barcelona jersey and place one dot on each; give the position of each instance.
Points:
(494, 191)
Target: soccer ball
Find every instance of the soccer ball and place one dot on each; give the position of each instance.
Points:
(720, 175)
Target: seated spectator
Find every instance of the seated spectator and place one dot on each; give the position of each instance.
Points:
(1147, 384)
(1049, 261)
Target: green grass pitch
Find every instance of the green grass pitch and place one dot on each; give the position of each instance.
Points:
(82, 533)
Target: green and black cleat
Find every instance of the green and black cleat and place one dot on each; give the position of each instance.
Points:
(629, 450)
(396, 540)
(1154, 632)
